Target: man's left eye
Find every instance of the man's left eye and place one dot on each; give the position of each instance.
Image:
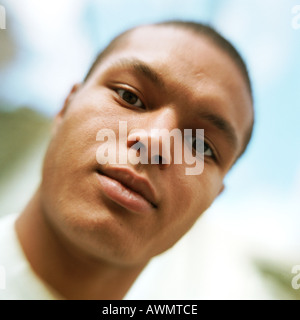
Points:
(130, 98)
(208, 152)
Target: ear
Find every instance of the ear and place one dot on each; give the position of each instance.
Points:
(59, 117)
(68, 100)
(221, 189)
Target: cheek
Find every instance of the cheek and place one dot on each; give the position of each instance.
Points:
(188, 197)
(75, 137)
(195, 193)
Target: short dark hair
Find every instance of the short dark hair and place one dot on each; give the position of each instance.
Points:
(201, 30)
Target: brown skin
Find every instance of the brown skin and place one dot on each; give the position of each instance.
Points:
(80, 242)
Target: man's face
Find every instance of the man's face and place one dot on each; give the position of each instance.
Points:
(160, 77)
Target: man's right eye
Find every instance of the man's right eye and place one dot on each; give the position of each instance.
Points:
(130, 98)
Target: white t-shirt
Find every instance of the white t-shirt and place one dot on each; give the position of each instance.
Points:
(18, 281)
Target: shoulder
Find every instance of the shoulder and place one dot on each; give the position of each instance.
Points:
(19, 281)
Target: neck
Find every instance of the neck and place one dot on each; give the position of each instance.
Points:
(71, 273)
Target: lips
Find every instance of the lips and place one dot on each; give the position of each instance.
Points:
(128, 189)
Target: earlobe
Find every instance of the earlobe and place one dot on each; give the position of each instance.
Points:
(61, 113)
(68, 99)
(221, 189)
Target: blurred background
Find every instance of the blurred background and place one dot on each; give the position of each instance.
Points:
(246, 244)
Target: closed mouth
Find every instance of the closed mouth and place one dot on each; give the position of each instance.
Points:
(131, 182)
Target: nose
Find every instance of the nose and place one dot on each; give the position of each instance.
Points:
(152, 143)
(149, 148)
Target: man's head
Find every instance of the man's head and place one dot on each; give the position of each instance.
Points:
(161, 76)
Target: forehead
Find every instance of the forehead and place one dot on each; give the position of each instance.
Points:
(193, 68)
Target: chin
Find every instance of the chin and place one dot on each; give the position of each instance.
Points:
(100, 235)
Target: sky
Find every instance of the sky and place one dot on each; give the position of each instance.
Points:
(57, 40)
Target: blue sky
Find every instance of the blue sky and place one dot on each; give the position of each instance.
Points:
(57, 41)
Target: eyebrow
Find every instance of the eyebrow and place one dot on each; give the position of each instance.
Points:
(221, 124)
(141, 68)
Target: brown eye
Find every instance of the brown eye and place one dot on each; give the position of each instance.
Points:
(130, 98)
(207, 149)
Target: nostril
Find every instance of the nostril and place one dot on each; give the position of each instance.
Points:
(138, 147)
(158, 159)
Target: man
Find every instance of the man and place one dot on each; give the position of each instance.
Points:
(91, 228)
